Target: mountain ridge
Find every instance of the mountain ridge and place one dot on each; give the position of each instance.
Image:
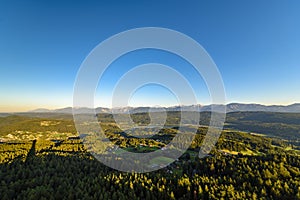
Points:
(231, 107)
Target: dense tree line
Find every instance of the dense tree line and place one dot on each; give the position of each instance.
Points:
(67, 171)
(241, 166)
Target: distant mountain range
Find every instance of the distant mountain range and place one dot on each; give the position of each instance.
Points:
(232, 107)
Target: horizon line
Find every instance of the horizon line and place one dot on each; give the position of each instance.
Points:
(153, 106)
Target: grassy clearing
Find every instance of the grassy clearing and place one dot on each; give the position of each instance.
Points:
(161, 160)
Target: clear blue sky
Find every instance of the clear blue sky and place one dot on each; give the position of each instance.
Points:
(255, 44)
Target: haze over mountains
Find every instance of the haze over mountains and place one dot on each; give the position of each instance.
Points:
(232, 107)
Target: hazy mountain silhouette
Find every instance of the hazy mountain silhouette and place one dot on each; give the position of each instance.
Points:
(232, 107)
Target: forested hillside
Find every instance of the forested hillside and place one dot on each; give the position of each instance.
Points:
(43, 159)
